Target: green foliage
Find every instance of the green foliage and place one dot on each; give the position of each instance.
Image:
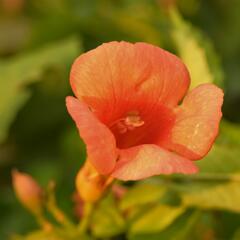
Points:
(196, 52)
(18, 73)
(34, 70)
(155, 219)
(179, 230)
(107, 220)
(229, 134)
(215, 161)
(237, 235)
(142, 194)
(56, 234)
(222, 196)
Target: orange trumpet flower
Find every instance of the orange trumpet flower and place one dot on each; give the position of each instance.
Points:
(135, 114)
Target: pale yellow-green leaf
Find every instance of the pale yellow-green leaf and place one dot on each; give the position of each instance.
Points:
(180, 229)
(155, 219)
(142, 193)
(224, 196)
(190, 51)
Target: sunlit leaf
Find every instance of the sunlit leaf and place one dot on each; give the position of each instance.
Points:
(178, 230)
(196, 52)
(142, 194)
(217, 185)
(156, 219)
(223, 196)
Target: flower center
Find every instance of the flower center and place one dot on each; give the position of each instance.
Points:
(130, 122)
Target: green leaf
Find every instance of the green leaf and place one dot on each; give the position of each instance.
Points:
(20, 71)
(221, 159)
(222, 196)
(107, 220)
(217, 186)
(155, 219)
(178, 230)
(140, 194)
(196, 52)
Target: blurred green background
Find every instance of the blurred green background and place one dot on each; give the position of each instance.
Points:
(39, 41)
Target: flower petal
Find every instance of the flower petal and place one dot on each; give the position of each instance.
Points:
(101, 145)
(119, 71)
(197, 122)
(148, 160)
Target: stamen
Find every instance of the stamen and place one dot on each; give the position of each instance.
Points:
(133, 120)
(129, 123)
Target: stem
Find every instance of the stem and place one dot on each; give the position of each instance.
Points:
(43, 222)
(87, 214)
(52, 207)
(58, 214)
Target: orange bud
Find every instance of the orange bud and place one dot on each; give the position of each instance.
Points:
(28, 191)
(90, 184)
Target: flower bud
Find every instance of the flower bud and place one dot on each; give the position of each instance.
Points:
(28, 191)
(90, 184)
